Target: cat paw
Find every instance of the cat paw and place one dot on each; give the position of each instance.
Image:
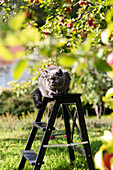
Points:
(39, 105)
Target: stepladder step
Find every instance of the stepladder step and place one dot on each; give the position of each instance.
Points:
(65, 145)
(41, 125)
(31, 156)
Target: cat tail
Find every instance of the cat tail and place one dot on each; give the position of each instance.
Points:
(37, 97)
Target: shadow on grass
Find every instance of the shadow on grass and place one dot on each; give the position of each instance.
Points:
(95, 145)
(61, 167)
(76, 165)
(13, 140)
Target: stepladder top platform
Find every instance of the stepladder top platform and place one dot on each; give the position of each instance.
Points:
(71, 97)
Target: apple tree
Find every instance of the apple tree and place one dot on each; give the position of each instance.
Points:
(75, 34)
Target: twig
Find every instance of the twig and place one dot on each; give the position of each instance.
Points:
(84, 13)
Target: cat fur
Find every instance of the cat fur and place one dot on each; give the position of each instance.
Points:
(52, 80)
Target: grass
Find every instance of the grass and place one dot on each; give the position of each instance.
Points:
(14, 135)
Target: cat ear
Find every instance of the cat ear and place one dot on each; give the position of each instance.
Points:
(60, 73)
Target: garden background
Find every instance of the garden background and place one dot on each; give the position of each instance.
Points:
(75, 35)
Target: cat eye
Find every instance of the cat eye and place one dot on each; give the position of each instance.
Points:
(56, 78)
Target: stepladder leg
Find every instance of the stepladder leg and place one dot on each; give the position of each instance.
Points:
(68, 132)
(46, 136)
(28, 147)
(22, 163)
(32, 135)
(84, 134)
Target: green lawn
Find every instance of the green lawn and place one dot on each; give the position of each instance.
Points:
(14, 134)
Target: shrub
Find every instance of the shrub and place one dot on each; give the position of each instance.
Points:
(9, 102)
(93, 85)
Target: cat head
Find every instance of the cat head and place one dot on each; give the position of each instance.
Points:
(55, 79)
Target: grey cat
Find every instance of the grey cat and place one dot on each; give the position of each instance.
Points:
(53, 80)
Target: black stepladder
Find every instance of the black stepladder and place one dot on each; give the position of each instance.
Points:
(63, 100)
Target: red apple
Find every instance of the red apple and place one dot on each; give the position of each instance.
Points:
(68, 48)
(112, 129)
(47, 65)
(106, 160)
(30, 25)
(52, 137)
(68, 1)
(94, 26)
(37, 1)
(46, 34)
(31, 1)
(110, 59)
(5, 1)
(82, 2)
(90, 22)
(70, 25)
(28, 15)
(84, 35)
(68, 9)
(111, 35)
(74, 30)
(41, 70)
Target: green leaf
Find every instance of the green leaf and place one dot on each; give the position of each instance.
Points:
(110, 103)
(110, 74)
(109, 93)
(12, 40)
(105, 36)
(109, 146)
(4, 27)
(62, 42)
(19, 69)
(109, 2)
(67, 59)
(85, 46)
(109, 16)
(30, 36)
(107, 137)
(16, 22)
(20, 54)
(99, 158)
(4, 53)
(106, 33)
(111, 161)
(101, 65)
(100, 53)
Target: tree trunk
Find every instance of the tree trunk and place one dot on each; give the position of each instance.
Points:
(98, 110)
